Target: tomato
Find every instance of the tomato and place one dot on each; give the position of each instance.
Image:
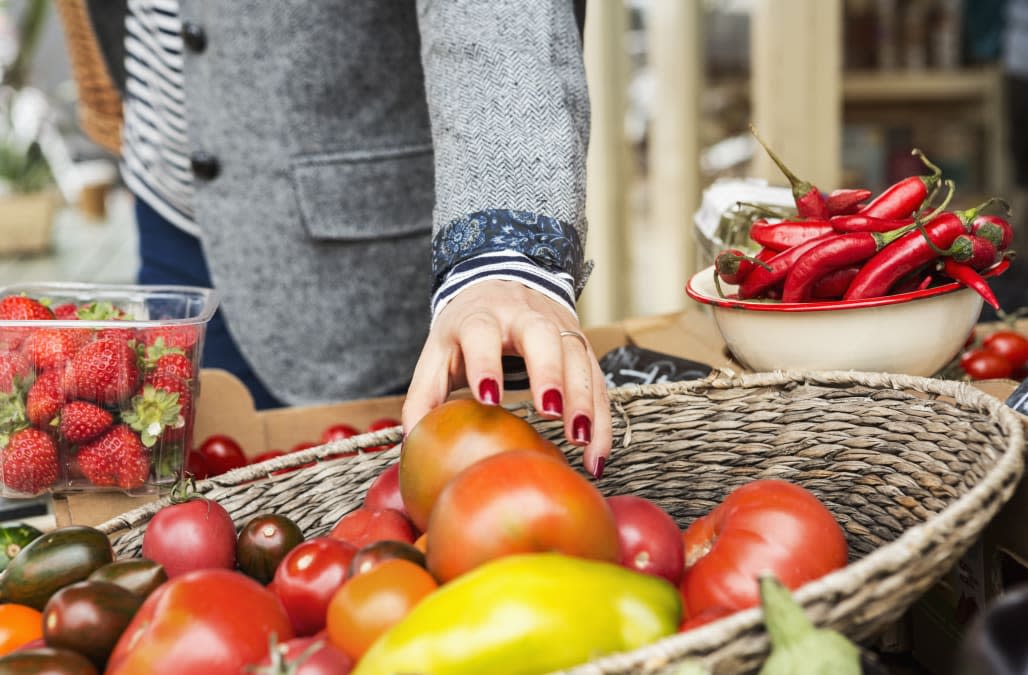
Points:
(373, 555)
(453, 436)
(980, 364)
(1010, 345)
(517, 502)
(370, 604)
(265, 456)
(88, 618)
(196, 534)
(338, 432)
(709, 615)
(222, 454)
(210, 621)
(19, 625)
(650, 540)
(196, 465)
(384, 492)
(366, 526)
(763, 526)
(263, 542)
(296, 658)
(307, 578)
(43, 659)
(378, 425)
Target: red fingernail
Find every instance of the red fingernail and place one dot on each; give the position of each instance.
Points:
(489, 391)
(553, 402)
(598, 473)
(582, 430)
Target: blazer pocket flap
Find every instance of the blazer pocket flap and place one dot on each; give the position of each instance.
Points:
(366, 195)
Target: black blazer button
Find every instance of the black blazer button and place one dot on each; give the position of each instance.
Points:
(194, 36)
(204, 165)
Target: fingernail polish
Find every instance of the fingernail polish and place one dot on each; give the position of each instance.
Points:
(581, 429)
(553, 402)
(598, 473)
(489, 391)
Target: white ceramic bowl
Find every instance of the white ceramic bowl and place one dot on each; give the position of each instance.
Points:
(915, 333)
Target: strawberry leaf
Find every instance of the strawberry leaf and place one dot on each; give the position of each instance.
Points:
(153, 411)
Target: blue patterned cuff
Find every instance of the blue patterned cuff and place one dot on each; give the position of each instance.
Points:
(549, 243)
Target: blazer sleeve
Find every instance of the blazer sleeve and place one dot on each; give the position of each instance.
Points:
(507, 97)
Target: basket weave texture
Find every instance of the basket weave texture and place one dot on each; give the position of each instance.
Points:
(99, 101)
(912, 468)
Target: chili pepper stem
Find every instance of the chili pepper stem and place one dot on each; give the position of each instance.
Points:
(917, 152)
(950, 189)
(799, 186)
(717, 283)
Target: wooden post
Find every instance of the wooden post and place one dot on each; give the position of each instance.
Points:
(675, 37)
(605, 297)
(796, 71)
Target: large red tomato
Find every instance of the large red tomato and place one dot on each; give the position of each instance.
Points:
(517, 502)
(651, 542)
(297, 658)
(210, 621)
(452, 437)
(196, 534)
(763, 526)
(307, 578)
(366, 526)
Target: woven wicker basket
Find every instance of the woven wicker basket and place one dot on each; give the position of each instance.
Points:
(99, 102)
(913, 468)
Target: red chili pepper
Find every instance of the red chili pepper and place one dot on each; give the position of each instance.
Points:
(906, 196)
(845, 201)
(859, 222)
(834, 284)
(835, 252)
(919, 279)
(995, 229)
(966, 275)
(761, 281)
(810, 203)
(915, 249)
(788, 233)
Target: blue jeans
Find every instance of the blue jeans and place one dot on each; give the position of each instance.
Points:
(170, 256)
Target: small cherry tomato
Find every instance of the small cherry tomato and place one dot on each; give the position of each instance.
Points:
(1010, 345)
(371, 603)
(384, 492)
(650, 540)
(222, 454)
(263, 542)
(338, 432)
(373, 555)
(196, 465)
(19, 625)
(981, 364)
(308, 577)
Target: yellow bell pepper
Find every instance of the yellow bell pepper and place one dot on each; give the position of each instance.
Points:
(529, 613)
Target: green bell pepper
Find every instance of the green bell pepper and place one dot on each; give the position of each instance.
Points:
(529, 613)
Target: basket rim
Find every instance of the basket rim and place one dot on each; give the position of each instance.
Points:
(987, 496)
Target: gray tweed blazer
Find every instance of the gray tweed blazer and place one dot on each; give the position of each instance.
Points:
(346, 134)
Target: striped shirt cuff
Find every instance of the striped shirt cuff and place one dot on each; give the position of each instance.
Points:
(507, 266)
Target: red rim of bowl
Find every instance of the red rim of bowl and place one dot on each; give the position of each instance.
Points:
(882, 301)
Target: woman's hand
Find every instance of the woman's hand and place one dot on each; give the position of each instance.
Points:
(495, 318)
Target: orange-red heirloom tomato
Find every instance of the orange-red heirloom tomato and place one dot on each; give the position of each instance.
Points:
(518, 502)
(452, 437)
(763, 526)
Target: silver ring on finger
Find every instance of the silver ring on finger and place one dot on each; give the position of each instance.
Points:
(578, 336)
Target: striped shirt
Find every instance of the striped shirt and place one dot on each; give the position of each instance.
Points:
(155, 151)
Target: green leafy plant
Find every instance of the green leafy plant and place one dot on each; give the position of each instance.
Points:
(23, 171)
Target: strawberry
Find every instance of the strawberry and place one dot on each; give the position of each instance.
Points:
(82, 422)
(105, 371)
(161, 409)
(52, 347)
(172, 337)
(171, 364)
(45, 398)
(116, 458)
(14, 369)
(29, 462)
(23, 308)
(66, 312)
